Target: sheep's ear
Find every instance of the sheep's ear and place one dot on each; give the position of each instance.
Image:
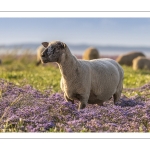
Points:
(45, 44)
(64, 45)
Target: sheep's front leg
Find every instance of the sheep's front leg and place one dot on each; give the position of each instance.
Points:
(67, 99)
(83, 103)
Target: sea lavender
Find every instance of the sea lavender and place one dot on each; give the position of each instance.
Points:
(25, 109)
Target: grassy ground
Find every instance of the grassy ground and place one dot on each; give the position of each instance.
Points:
(22, 70)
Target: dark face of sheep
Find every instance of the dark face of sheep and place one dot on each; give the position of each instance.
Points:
(52, 52)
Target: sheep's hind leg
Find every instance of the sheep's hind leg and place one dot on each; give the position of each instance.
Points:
(116, 97)
(67, 99)
(100, 104)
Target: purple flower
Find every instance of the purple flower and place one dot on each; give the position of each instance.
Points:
(49, 125)
(25, 109)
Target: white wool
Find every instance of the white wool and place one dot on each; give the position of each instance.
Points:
(89, 81)
(93, 81)
(141, 63)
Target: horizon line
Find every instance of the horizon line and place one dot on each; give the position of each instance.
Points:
(77, 44)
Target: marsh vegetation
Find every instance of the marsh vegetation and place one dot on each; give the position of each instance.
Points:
(31, 101)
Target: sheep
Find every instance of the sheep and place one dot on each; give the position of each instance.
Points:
(40, 49)
(141, 63)
(88, 81)
(127, 59)
(90, 53)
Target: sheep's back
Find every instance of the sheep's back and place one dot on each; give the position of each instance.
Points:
(104, 68)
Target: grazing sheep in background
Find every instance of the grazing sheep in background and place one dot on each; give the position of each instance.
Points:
(127, 59)
(40, 49)
(93, 81)
(0, 62)
(90, 53)
(141, 63)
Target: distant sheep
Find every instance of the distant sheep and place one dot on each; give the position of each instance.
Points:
(90, 53)
(141, 63)
(127, 59)
(40, 49)
(93, 81)
(0, 62)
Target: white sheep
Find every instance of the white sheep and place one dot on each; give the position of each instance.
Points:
(141, 63)
(89, 81)
(126, 59)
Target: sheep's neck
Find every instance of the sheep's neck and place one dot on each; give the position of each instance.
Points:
(68, 66)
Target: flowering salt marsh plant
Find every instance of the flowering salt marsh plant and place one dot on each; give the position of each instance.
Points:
(25, 109)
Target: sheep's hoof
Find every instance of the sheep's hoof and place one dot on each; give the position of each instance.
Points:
(115, 103)
(82, 106)
(100, 104)
(72, 101)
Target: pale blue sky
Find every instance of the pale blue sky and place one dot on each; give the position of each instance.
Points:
(99, 31)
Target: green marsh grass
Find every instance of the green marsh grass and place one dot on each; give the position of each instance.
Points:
(22, 69)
